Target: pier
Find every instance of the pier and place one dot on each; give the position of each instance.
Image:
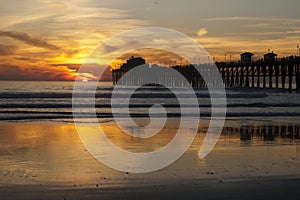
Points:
(268, 73)
(280, 74)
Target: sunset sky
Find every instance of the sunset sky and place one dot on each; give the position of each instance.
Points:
(48, 40)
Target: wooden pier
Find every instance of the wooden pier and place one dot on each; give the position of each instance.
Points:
(283, 74)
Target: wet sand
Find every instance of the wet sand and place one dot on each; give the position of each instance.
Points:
(235, 189)
(46, 160)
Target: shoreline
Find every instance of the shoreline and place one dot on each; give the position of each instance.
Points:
(257, 118)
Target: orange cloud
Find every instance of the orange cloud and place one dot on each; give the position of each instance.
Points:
(202, 32)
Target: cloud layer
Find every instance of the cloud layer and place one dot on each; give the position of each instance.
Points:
(34, 41)
(43, 39)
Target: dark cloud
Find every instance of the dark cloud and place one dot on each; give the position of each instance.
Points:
(73, 66)
(6, 50)
(108, 48)
(13, 72)
(91, 68)
(28, 39)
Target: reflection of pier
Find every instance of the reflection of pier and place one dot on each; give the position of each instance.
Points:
(267, 73)
(265, 132)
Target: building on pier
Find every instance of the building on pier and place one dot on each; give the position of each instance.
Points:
(130, 64)
(247, 58)
(270, 57)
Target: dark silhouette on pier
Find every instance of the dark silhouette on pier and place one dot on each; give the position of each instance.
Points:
(269, 72)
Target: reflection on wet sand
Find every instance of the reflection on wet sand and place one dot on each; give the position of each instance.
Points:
(52, 153)
(265, 132)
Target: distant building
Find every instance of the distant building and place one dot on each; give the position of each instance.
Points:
(132, 62)
(246, 58)
(270, 57)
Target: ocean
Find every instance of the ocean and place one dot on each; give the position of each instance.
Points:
(52, 101)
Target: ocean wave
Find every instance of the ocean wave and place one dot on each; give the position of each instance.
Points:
(46, 102)
(43, 95)
(65, 105)
(69, 115)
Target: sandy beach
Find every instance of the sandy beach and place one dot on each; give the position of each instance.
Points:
(46, 160)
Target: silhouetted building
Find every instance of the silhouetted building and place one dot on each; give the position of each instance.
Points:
(247, 58)
(270, 57)
(132, 62)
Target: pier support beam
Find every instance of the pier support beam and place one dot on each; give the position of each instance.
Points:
(291, 71)
(258, 76)
(283, 74)
(242, 77)
(253, 74)
(247, 77)
(270, 70)
(297, 77)
(264, 70)
(277, 75)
